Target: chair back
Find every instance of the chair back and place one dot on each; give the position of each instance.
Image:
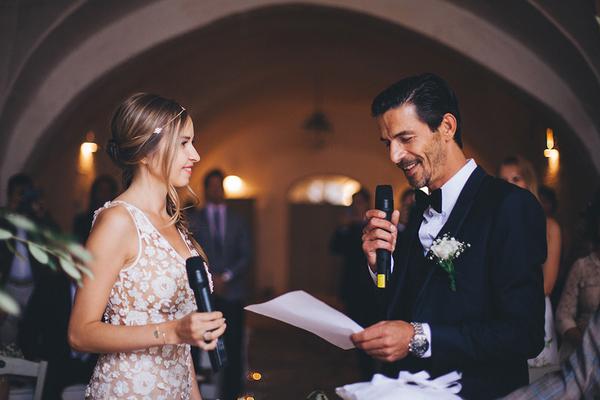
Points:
(20, 367)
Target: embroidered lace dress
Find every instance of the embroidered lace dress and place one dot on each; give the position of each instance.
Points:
(153, 289)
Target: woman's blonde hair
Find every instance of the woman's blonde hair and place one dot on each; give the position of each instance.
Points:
(138, 126)
(526, 170)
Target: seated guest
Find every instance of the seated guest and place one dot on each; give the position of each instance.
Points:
(103, 189)
(579, 377)
(43, 335)
(581, 295)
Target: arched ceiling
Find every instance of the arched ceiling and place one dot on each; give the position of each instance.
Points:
(90, 40)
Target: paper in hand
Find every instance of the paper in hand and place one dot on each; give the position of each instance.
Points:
(302, 310)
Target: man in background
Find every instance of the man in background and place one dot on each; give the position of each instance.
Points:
(223, 235)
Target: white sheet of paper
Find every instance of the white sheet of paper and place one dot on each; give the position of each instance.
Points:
(302, 310)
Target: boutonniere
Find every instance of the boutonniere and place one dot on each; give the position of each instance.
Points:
(445, 250)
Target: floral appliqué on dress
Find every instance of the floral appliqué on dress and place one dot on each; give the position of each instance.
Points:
(153, 289)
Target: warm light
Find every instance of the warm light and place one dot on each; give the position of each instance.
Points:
(256, 376)
(549, 138)
(233, 185)
(332, 189)
(88, 148)
(553, 157)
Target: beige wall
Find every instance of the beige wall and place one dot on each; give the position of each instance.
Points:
(249, 90)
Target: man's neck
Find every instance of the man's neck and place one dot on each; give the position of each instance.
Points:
(455, 162)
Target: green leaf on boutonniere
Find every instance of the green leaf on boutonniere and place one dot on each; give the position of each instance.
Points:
(8, 304)
(4, 234)
(69, 267)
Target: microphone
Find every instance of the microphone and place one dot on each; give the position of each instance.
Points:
(198, 279)
(384, 201)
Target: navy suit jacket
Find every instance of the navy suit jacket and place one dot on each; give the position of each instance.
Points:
(494, 321)
(236, 249)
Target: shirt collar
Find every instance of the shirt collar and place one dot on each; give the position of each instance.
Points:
(451, 189)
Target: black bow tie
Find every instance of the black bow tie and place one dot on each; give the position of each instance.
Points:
(434, 199)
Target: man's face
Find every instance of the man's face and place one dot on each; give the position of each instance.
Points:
(413, 147)
(214, 190)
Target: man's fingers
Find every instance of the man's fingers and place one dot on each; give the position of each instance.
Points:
(373, 245)
(384, 224)
(395, 217)
(379, 234)
(375, 214)
(370, 333)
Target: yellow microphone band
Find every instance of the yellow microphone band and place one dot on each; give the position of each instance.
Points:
(381, 281)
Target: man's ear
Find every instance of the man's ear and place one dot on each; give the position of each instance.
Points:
(448, 126)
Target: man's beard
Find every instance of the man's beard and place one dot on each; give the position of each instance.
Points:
(415, 181)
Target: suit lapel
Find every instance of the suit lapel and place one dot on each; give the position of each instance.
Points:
(455, 221)
(405, 253)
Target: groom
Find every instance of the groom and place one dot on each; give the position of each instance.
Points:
(492, 321)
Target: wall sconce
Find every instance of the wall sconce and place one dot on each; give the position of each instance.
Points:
(234, 186)
(550, 152)
(86, 153)
(553, 157)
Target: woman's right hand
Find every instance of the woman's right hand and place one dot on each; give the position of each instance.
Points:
(200, 329)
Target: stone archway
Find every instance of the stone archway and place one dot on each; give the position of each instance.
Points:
(446, 23)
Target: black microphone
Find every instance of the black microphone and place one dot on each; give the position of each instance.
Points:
(198, 279)
(384, 201)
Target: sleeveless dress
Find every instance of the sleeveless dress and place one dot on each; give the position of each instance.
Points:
(152, 289)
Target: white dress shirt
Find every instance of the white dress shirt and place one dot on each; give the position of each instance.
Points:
(433, 221)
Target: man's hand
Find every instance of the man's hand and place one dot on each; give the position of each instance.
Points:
(386, 340)
(379, 233)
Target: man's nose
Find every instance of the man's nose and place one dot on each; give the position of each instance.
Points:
(397, 152)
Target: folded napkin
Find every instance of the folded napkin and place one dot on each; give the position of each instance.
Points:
(407, 386)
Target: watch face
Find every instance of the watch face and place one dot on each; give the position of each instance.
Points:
(420, 345)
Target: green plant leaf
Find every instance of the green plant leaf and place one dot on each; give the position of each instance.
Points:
(21, 222)
(69, 267)
(8, 304)
(38, 253)
(86, 271)
(79, 251)
(4, 234)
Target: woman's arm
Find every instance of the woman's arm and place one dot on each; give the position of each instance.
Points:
(113, 244)
(195, 395)
(552, 263)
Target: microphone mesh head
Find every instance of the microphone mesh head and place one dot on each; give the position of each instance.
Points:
(384, 197)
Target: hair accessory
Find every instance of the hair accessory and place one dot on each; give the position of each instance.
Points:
(159, 130)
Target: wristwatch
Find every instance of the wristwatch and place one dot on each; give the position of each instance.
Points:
(419, 344)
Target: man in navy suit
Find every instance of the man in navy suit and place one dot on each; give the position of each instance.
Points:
(224, 236)
(492, 321)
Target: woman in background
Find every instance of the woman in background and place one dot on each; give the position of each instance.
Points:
(520, 172)
(138, 311)
(581, 296)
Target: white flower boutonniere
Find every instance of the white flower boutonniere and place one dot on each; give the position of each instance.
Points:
(445, 250)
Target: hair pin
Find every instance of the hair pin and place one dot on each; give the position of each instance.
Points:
(159, 129)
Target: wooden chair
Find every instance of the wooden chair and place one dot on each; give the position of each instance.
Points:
(20, 367)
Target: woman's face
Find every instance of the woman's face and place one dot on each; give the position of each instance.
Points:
(185, 157)
(511, 173)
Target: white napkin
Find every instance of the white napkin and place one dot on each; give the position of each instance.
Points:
(407, 386)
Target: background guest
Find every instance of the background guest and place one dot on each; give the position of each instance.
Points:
(19, 271)
(520, 172)
(581, 296)
(43, 336)
(224, 236)
(406, 206)
(355, 290)
(103, 189)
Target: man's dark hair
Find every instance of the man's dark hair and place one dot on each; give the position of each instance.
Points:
(19, 180)
(431, 96)
(213, 173)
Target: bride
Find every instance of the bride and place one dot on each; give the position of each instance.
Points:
(138, 311)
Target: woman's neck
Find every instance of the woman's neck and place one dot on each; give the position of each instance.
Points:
(148, 193)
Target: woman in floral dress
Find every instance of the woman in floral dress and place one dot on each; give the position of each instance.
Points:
(138, 311)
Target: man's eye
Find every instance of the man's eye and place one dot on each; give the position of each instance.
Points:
(406, 139)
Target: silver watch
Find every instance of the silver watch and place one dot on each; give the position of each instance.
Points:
(419, 344)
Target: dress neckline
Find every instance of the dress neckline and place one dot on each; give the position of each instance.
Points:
(158, 232)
